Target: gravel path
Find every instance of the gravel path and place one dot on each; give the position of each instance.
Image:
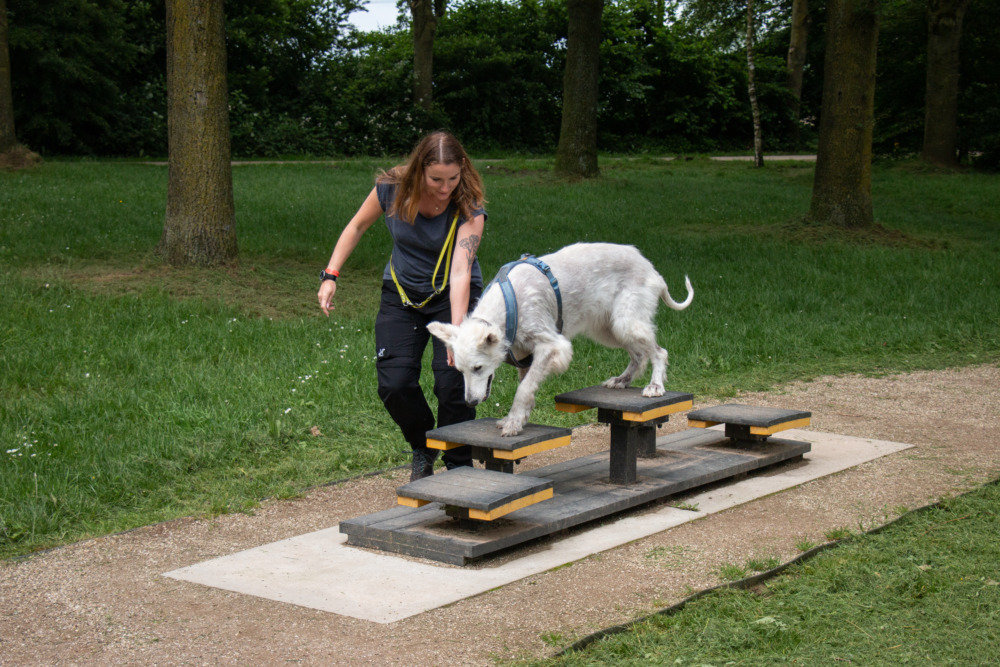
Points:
(104, 601)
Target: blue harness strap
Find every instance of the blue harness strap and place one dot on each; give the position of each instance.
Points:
(510, 302)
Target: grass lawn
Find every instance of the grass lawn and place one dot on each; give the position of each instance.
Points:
(132, 392)
(923, 591)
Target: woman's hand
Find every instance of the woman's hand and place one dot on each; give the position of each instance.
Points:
(326, 291)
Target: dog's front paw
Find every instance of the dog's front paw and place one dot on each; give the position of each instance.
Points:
(652, 390)
(510, 425)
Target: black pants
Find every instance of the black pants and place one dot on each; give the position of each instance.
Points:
(400, 340)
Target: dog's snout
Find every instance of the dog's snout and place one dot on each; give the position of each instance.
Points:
(472, 399)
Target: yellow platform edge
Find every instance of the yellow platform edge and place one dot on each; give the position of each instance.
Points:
(572, 407)
(442, 444)
(657, 412)
(543, 446)
(757, 430)
(411, 502)
(515, 505)
(796, 423)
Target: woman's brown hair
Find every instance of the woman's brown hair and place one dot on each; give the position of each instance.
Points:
(436, 148)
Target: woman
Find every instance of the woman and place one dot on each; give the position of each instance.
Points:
(433, 207)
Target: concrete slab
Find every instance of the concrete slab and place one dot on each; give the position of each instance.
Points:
(320, 571)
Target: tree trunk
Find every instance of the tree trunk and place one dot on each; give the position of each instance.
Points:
(200, 227)
(795, 66)
(425, 19)
(577, 152)
(8, 139)
(842, 189)
(758, 139)
(944, 33)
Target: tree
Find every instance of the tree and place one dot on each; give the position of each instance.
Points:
(576, 154)
(67, 60)
(8, 139)
(200, 227)
(944, 33)
(758, 140)
(795, 64)
(425, 15)
(499, 73)
(842, 186)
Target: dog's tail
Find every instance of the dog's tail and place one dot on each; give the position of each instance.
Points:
(667, 299)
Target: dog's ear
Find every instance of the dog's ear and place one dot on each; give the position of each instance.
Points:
(443, 331)
(490, 339)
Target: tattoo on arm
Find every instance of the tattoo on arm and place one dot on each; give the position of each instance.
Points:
(471, 245)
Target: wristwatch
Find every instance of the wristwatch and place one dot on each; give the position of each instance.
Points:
(324, 275)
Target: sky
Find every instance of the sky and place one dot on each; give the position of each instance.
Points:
(380, 14)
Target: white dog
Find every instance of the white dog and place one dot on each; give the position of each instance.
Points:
(608, 293)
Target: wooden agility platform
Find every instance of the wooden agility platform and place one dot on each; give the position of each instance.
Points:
(583, 492)
(493, 450)
(467, 493)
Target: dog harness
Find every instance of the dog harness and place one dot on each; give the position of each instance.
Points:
(510, 302)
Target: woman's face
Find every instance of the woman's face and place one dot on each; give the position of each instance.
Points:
(440, 180)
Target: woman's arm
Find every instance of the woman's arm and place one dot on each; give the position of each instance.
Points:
(467, 241)
(365, 217)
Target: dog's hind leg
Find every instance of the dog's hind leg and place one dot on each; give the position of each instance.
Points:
(659, 377)
(636, 364)
(632, 328)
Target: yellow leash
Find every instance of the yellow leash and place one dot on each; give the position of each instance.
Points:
(446, 253)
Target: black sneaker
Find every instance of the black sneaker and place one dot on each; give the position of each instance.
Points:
(423, 464)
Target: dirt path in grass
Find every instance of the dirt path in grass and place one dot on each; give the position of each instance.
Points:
(104, 601)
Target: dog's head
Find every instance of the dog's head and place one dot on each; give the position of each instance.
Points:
(478, 348)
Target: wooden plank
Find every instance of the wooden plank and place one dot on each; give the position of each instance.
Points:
(546, 445)
(484, 433)
(433, 443)
(473, 488)
(657, 412)
(411, 502)
(784, 426)
(747, 415)
(572, 408)
(629, 399)
(512, 506)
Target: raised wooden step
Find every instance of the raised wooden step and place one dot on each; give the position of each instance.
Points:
(498, 452)
(633, 419)
(627, 404)
(748, 423)
(473, 493)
